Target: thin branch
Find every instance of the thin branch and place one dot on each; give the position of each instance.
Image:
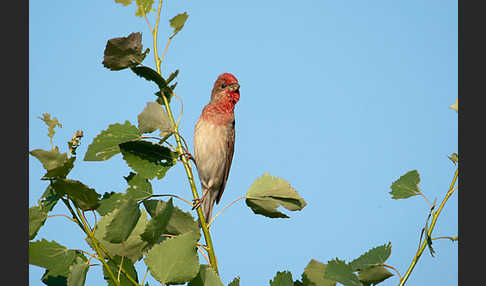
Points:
(391, 267)
(209, 224)
(121, 262)
(185, 144)
(91, 255)
(144, 276)
(429, 232)
(180, 151)
(174, 196)
(203, 254)
(87, 222)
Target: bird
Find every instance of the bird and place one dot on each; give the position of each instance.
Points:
(214, 141)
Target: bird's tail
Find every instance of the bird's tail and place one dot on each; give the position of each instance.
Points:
(207, 205)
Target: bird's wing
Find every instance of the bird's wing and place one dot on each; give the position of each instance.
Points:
(229, 159)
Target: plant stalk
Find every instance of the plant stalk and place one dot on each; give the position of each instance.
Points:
(429, 232)
(180, 151)
(95, 243)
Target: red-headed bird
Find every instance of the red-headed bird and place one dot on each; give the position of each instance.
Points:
(214, 141)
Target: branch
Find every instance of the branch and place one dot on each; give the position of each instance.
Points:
(180, 151)
(429, 232)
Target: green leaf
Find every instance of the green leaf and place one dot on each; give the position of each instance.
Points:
(77, 272)
(268, 193)
(132, 248)
(61, 171)
(406, 186)
(154, 117)
(83, 197)
(51, 280)
(455, 106)
(235, 282)
(124, 2)
(50, 159)
(105, 145)
(149, 160)
(124, 52)
(37, 218)
(175, 260)
(314, 274)
(127, 266)
(140, 188)
(124, 221)
(51, 256)
(206, 277)
(49, 199)
(178, 23)
(373, 257)
(454, 158)
(180, 221)
(282, 279)
(341, 272)
(109, 202)
(158, 224)
(51, 124)
(151, 75)
(374, 275)
(144, 7)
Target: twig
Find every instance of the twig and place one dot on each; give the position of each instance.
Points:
(144, 276)
(180, 151)
(203, 254)
(185, 144)
(209, 224)
(429, 232)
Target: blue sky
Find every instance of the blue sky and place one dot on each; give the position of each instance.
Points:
(340, 98)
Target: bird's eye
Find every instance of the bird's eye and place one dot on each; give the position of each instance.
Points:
(223, 85)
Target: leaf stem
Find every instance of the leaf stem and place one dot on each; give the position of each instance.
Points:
(221, 211)
(180, 151)
(422, 194)
(63, 215)
(391, 267)
(174, 196)
(452, 238)
(165, 50)
(429, 232)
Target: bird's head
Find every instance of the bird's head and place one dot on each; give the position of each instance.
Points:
(226, 89)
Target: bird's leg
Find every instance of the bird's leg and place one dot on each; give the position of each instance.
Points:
(198, 202)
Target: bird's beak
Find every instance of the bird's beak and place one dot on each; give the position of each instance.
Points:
(234, 86)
